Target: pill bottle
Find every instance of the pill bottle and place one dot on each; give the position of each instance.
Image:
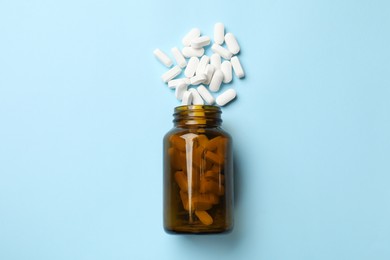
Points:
(198, 173)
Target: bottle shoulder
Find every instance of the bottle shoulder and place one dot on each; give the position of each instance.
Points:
(209, 132)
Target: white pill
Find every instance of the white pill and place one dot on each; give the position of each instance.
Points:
(180, 60)
(219, 33)
(209, 71)
(170, 74)
(196, 98)
(226, 97)
(175, 82)
(163, 58)
(205, 94)
(202, 64)
(192, 34)
(200, 42)
(180, 89)
(232, 43)
(187, 98)
(199, 78)
(191, 67)
(237, 67)
(216, 81)
(192, 52)
(226, 68)
(224, 53)
(215, 60)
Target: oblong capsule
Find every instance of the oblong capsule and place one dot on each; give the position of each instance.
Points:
(200, 42)
(180, 89)
(232, 43)
(198, 79)
(226, 68)
(202, 64)
(219, 33)
(196, 98)
(192, 52)
(175, 82)
(205, 94)
(226, 97)
(163, 58)
(187, 98)
(192, 34)
(209, 71)
(216, 81)
(238, 70)
(191, 67)
(204, 217)
(180, 60)
(224, 53)
(170, 74)
(215, 60)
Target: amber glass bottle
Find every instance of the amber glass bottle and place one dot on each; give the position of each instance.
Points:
(198, 173)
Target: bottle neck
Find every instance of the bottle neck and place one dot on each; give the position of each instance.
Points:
(197, 116)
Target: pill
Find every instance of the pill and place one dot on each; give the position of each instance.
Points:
(202, 64)
(204, 217)
(226, 68)
(184, 199)
(193, 33)
(210, 186)
(181, 180)
(192, 52)
(175, 82)
(178, 143)
(226, 97)
(237, 67)
(219, 33)
(196, 98)
(212, 145)
(214, 157)
(170, 74)
(191, 67)
(187, 98)
(215, 60)
(180, 60)
(200, 42)
(198, 78)
(163, 58)
(180, 89)
(209, 71)
(214, 175)
(205, 94)
(223, 52)
(202, 140)
(232, 43)
(216, 81)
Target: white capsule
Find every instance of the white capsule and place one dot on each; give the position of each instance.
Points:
(224, 53)
(226, 97)
(202, 64)
(232, 43)
(187, 98)
(237, 67)
(175, 82)
(216, 81)
(180, 89)
(192, 34)
(205, 94)
(219, 32)
(196, 98)
(200, 42)
(180, 60)
(170, 74)
(226, 68)
(163, 58)
(189, 52)
(215, 60)
(199, 78)
(209, 71)
(191, 67)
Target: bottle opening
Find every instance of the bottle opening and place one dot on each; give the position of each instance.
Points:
(200, 115)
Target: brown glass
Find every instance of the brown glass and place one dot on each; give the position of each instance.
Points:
(198, 173)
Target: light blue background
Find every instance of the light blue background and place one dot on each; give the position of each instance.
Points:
(83, 112)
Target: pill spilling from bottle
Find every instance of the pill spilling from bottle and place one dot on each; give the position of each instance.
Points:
(201, 70)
